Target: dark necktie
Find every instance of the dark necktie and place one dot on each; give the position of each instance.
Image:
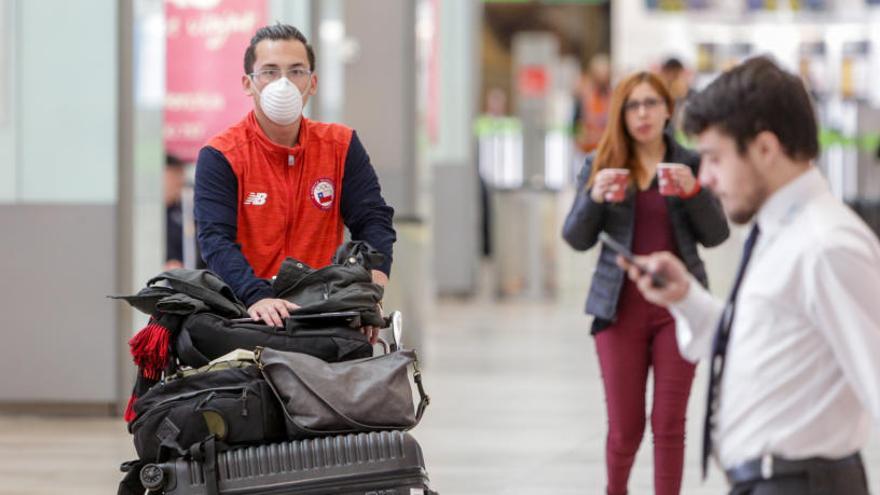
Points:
(719, 348)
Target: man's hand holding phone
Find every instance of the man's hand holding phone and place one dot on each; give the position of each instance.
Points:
(676, 280)
(661, 277)
(656, 279)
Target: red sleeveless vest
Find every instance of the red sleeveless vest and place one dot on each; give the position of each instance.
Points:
(288, 198)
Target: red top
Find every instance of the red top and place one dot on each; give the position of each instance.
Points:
(652, 230)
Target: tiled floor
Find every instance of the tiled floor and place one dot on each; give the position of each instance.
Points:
(517, 408)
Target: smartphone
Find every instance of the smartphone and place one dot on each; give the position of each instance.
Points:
(657, 280)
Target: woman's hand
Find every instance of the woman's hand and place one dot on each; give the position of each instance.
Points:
(684, 179)
(608, 184)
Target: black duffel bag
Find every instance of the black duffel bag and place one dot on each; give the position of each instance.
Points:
(206, 336)
(228, 402)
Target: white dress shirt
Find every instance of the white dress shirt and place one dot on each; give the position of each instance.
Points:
(802, 372)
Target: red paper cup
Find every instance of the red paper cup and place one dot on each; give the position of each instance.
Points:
(618, 188)
(668, 185)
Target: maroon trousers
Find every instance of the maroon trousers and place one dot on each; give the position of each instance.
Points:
(643, 337)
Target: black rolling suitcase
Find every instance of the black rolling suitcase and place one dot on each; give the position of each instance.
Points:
(377, 463)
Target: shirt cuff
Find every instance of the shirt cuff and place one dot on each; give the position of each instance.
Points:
(694, 303)
(262, 291)
(696, 190)
(695, 319)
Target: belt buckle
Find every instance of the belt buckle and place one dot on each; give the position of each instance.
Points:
(767, 466)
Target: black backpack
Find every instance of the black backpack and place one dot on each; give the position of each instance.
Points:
(228, 402)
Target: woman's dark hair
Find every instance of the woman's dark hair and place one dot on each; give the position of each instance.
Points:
(276, 32)
(754, 97)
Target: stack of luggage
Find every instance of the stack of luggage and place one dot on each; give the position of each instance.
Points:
(223, 404)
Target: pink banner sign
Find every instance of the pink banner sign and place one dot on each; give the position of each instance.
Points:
(206, 40)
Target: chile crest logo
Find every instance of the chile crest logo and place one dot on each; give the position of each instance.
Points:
(323, 193)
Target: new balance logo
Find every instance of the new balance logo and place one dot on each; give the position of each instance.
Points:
(256, 198)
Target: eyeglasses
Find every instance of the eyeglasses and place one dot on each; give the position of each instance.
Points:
(634, 105)
(294, 74)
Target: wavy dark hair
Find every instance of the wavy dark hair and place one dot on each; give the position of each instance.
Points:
(754, 97)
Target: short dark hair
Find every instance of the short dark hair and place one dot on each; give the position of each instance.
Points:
(754, 97)
(672, 64)
(276, 32)
(173, 161)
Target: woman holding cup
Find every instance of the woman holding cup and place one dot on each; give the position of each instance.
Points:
(619, 193)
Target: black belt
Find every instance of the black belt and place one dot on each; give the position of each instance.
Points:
(771, 466)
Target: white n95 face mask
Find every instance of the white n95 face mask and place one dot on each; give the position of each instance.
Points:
(281, 101)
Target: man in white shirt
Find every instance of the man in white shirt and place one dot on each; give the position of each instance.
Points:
(795, 352)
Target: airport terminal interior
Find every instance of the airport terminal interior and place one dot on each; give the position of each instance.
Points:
(474, 116)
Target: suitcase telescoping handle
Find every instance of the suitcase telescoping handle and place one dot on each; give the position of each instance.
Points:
(395, 322)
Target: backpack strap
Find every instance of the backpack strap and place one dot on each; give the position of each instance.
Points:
(131, 482)
(187, 352)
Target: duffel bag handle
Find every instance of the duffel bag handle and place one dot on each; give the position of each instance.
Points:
(395, 322)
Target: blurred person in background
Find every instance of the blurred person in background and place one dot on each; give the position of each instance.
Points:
(277, 184)
(176, 231)
(495, 110)
(174, 179)
(795, 351)
(632, 335)
(496, 102)
(591, 106)
(677, 79)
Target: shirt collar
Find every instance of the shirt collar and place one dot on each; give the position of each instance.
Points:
(273, 147)
(784, 204)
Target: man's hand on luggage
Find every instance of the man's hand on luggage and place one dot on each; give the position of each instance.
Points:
(271, 311)
(665, 263)
(171, 265)
(379, 278)
(372, 332)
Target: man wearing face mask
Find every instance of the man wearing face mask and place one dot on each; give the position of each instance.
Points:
(277, 184)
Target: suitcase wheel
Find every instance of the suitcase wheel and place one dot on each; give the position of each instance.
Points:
(152, 477)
